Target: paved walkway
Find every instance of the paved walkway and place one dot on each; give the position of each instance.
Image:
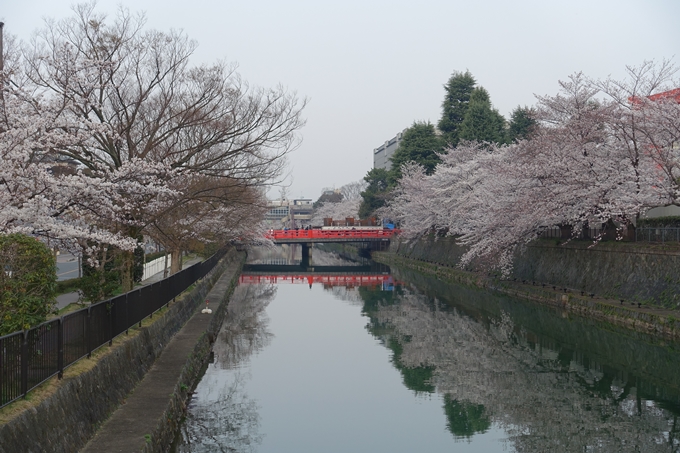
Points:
(124, 431)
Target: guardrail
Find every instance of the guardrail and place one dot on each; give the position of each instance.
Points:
(30, 357)
(643, 234)
(330, 234)
(650, 234)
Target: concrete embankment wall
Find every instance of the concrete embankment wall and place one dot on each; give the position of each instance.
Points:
(652, 321)
(641, 272)
(67, 419)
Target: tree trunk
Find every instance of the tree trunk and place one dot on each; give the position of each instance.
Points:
(127, 263)
(176, 256)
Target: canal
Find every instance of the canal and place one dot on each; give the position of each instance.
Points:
(375, 362)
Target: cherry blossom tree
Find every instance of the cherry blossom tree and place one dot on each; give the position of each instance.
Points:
(604, 152)
(137, 121)
(348, 206)
(210, 210)
(40, 199)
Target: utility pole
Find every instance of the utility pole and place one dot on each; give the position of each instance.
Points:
(2, 67)
(2, 48)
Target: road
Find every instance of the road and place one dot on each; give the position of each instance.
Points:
(67, 266)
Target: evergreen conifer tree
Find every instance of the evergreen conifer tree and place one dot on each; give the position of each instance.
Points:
(419, 144)
(522, 124)
(458, 90)
(482, 122)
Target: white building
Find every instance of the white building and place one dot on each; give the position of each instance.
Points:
(383, 153)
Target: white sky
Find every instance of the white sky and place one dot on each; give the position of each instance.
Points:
(371, 68)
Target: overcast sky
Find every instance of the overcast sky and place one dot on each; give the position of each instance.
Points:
(371, 68)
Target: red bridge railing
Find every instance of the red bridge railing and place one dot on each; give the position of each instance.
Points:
(327, 280)
(330, 234)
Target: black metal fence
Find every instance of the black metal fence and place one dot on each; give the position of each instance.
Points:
(28, 358)
(665, 234)
(568, 233)
(646, 234)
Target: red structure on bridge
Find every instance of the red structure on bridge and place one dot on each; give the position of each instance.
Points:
(331, 235)
(326, 280)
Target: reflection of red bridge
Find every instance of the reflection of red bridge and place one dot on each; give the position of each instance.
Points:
(334, 235)
(327, 280)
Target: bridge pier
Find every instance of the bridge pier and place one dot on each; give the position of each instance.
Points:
(306, 254)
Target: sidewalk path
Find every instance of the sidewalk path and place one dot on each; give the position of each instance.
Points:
(124, 431)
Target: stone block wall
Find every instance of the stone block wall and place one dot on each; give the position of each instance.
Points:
(643, 272)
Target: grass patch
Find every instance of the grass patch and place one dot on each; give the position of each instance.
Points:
(68, 286)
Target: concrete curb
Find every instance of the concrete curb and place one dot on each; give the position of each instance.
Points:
(152, 413)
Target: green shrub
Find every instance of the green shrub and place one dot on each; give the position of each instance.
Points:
(153, 256)
(28, 282)
(68, 286)
(659, 222)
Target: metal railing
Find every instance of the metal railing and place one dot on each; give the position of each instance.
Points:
(645, 234)
(664, 234)
(30, 357)
(561, 233)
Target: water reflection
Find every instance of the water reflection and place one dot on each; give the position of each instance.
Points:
(491, 370)
(483, 373)
(221, 416)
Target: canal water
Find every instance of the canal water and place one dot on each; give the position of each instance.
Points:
(404, 363)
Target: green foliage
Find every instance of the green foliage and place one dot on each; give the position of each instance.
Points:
(138, 264)
(209, 249)
(376, 193)
(659, 222)
(419, 144)
(152, 256)
(464, 419)
(482, 122)
(458, 90)
(28, 276)
(522, 124)
(415, 378)
(68, 286)
(103, 281)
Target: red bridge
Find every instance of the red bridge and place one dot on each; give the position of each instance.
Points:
(334, 235)
(325, 280)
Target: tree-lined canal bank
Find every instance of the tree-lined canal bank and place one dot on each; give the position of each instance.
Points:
(417, 364)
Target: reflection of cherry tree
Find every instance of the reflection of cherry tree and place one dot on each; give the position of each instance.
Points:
(230, 423)
(346, 294)
(244, 331)
(494, 373)
(222, 417)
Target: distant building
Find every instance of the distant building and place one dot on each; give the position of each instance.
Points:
(383, 153)
(284, 213)
(301, 211)
(278, 210)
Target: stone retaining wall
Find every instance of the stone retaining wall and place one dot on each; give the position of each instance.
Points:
(660, 323)
(640, 272)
